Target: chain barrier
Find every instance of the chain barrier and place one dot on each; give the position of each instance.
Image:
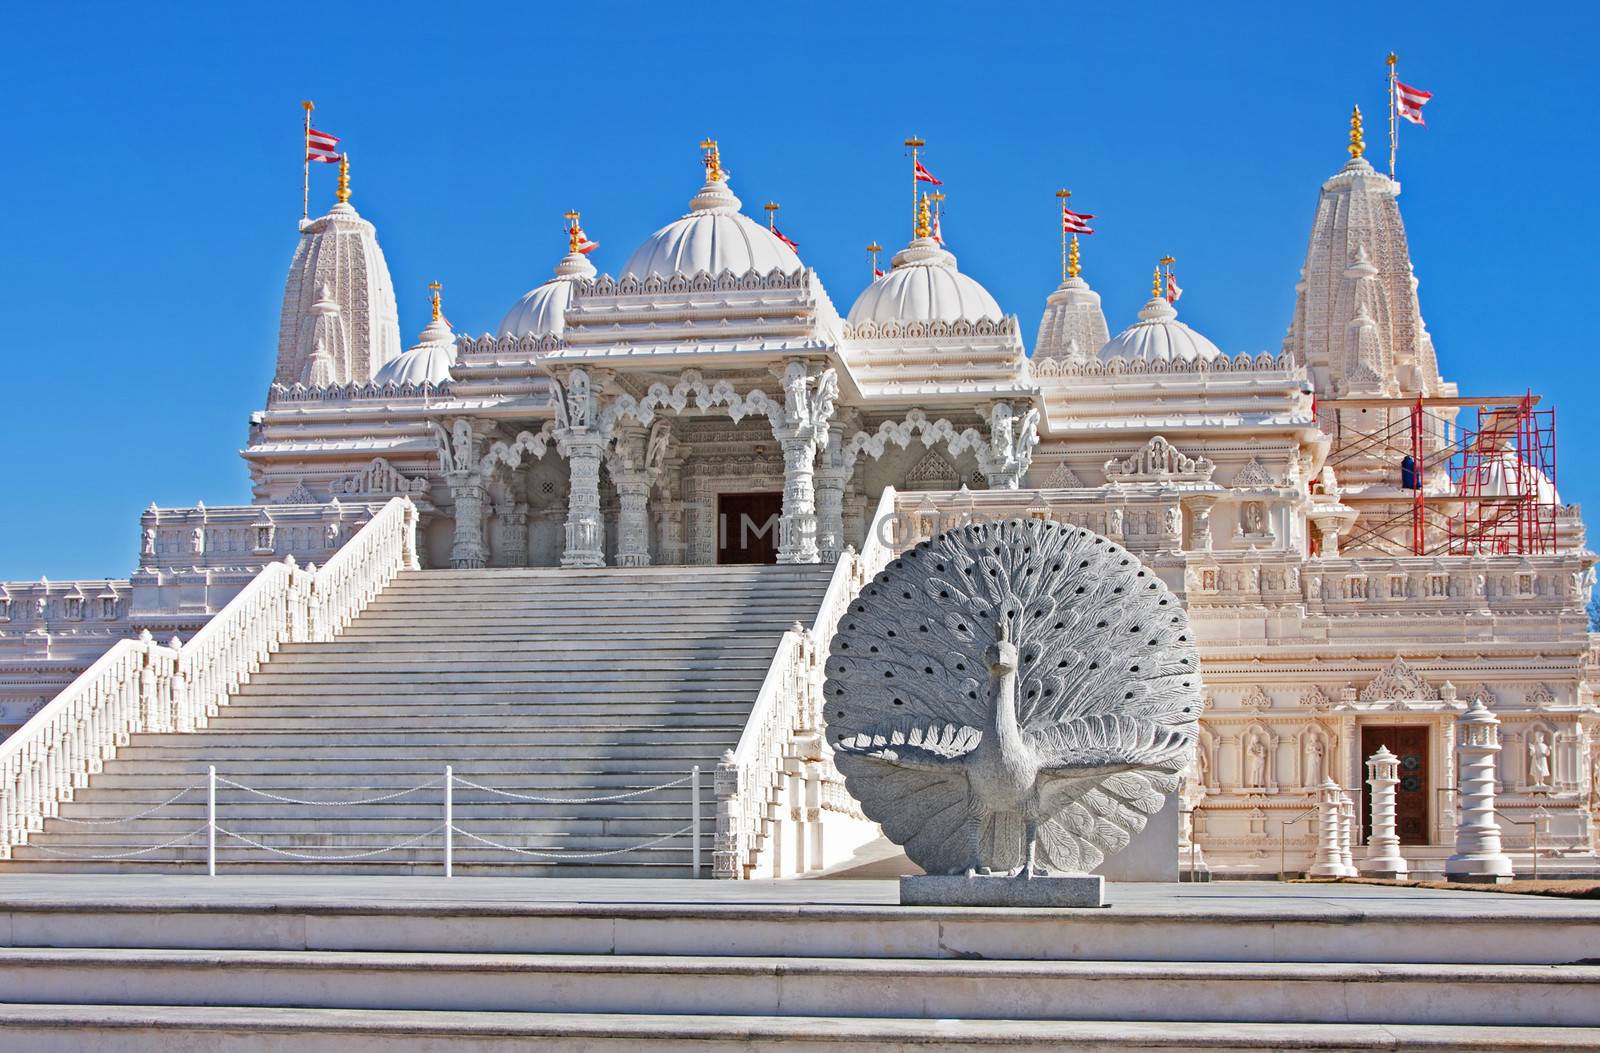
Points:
(121, 855)
(570, 800)
(326, 804)
(571, 855)
(323, 857)
(127, 818)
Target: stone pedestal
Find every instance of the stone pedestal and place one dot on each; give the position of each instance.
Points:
(957, 890)
(1478, 855)
(1383, 844)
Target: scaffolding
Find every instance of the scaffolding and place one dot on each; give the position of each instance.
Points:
(1426, 484)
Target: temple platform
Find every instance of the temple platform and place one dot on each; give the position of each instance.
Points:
(163, 962)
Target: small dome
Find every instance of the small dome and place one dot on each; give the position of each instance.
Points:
(1158, 336)
(1507, 475)
(714, 237)
(923, 285)
(542, 311)
(428, 362)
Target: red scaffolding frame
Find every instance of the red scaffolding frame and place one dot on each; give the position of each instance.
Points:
(1493, 486)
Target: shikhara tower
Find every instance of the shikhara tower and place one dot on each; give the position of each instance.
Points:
(1360, 549)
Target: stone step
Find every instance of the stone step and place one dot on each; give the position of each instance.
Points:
(594, 677)
(152, 788)
(126, 1028)
(341, 649)
(1205, 992)
(735, 691)
(223, 754)
(249, 714)
(467, 737)
(305, 668)
(412, 769)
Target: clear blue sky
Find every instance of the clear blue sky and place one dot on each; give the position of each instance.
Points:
(153, 185)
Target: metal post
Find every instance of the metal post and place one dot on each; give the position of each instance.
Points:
(694, 810)
(211, 821)
(449, 818)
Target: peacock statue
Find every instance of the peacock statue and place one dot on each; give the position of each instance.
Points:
(1014, 698)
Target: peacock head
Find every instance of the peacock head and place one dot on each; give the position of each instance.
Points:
(1002, 654)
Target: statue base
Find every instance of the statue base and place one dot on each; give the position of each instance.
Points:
(985, 890)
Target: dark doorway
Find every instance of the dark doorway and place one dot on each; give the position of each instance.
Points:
(747, 527)
(1409, 742)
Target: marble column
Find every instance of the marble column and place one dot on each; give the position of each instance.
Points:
(633, 521)
(797, 527)
(831, 483)
(1478, 855)
(467, 492)
(1383, 844)
(511, 535)
(585, 527)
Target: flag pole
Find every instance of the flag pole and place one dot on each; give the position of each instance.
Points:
(1062, 195)
(872, 250)
(914, 143)
(1394, 126)
(305, 163)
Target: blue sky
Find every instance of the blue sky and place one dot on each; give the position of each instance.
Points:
(153, 185)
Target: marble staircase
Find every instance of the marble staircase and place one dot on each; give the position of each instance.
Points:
(549, 683)
(311, 963)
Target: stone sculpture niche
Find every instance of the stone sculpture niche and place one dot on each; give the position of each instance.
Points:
(1013, 700)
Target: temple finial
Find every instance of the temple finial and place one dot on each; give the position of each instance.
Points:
(1074, 263)
(1155, 284)
(1358, 144)
(435, 287)
(713, 161)
(573, 230)
(924, 218)
(343, 193)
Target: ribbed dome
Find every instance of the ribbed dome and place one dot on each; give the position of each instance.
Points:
(1073, 326)
(428, 362)
(542, 311)
(714, 237)
(923, 285)
(1158, 336)
(1507, 475)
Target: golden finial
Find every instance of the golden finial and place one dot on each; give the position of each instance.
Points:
(1074, 266)
(435, 286)
(1392, 59)
(308, 106)
(344, 178)
(1155, 284)
(713, 161)
(916, 143)
(772, 213)
(1358, 145)
(924, 220)
(571, 216)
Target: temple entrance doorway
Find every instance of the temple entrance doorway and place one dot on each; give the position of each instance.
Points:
(747, 527)
(1409, 742)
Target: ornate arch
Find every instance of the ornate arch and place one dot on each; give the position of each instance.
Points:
(511, 453)
(916, 424)
(692, 387)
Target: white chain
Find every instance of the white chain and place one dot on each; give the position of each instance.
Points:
(326, 804)
(120, 855)
(330, 858)
(126, 818)
(572, 855)
(572, 800)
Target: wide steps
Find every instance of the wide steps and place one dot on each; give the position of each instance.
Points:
(546, 682)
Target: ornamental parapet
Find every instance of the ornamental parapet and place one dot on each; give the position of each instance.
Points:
(354, 392)
(248, 537)
(1045, 368)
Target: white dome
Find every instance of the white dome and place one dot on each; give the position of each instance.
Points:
(542, 311)
(428, 362)
(923, 285)
(1158, 336)
(714, 237)
(1507, 475)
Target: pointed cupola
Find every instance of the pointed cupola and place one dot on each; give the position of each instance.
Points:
(1073, 328)
(339, 323)
(1357, 324)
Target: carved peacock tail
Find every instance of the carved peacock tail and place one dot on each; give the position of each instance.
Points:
(1108, 690)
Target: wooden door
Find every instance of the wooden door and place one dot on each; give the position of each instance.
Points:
(1409, 742)
(747, 527)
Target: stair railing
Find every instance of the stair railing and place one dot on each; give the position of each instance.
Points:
(141, 686)
(784, 730)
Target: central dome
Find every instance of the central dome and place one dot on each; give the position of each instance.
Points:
(923, 285)
(714, 237)
(1158, 336)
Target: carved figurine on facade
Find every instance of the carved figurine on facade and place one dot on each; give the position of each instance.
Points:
(1013, 696)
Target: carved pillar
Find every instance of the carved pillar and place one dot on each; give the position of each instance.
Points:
(1328, 861)
(1383, 844)
(1200, 522)
(797, 528)
(467, 493)
(1478, 856)
(1011, 442)
(511, 535)
(586, 529)
(632, 478)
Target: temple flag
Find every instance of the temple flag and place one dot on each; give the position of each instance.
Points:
(1408, 102)
(1076, 222)
(320, 146)
(1173, 292)
(583, 244)
(935, 232)
(922, 175)
(781, 237)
